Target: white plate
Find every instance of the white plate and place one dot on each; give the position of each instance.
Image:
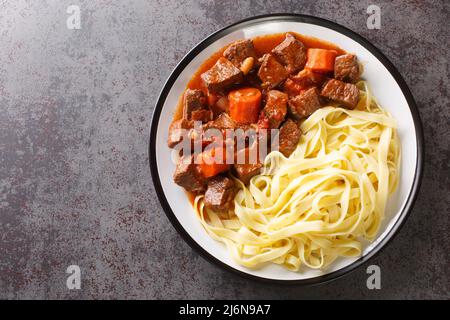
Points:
(388, 87)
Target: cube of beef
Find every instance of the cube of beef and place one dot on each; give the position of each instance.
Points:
(304, 104)
(271, 72)
(219, 195)
(276, 108)
(203, 115)
(238, 51)
(247, 171)
(289, 137)
(291, 53)
(221, 76)
(247, 166)
(346, 68)
(193, 100)
(223, 121)
(188, 176)
(178, 131)
(346, 94)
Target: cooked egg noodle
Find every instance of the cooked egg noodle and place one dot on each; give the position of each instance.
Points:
(317, 205)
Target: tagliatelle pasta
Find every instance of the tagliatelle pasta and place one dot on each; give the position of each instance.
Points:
(316, 205)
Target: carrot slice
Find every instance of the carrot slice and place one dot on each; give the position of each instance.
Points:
(245, 105)
(320, 60)
(210, 165)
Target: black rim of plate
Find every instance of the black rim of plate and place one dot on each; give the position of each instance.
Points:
(292, 18)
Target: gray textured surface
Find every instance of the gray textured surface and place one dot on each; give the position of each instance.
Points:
(75, 186)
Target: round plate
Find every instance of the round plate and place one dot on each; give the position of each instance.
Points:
(383, 79)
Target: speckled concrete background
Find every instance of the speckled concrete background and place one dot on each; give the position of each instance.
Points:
(75, 186)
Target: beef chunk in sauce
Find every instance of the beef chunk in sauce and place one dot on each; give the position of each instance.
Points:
(346, 94)
(246, 167)
(276, 108)
(238, 51)
(247, 171)
(203, 115)
(304, 104)
(291, 53)
(289, 137)
(193, 100)
(176, 132)
(271, 72)
(346, 68)
(219, 195)
(188, 176)
(223, 121)
(222, 76)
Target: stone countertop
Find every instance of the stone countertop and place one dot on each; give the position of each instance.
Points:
(75, 116)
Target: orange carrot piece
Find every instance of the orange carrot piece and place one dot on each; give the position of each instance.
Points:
(245, 105)
(320, 60)
(210, 166)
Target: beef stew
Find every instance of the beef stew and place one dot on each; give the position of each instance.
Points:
(269, 82)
